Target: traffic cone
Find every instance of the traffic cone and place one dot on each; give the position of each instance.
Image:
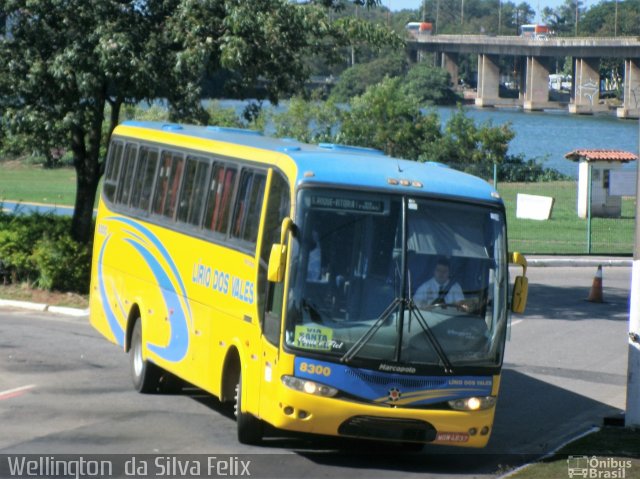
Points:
(595, 295)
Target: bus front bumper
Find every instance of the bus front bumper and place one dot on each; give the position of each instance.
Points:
(297, 411)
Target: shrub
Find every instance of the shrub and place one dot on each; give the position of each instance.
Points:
(18, 236)
(37, 249)
(517, 169)
(308, 121)
(62, 264)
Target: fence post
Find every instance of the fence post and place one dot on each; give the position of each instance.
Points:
(589, 209)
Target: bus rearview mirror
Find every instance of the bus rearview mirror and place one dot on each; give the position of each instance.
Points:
(278, 256)
(277, 260)
(520, 293)
(521, 284)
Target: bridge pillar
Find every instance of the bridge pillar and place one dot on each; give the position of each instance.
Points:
(449, 61)
(586, 86)
(536, 85)
(631, 104)
(488, 92)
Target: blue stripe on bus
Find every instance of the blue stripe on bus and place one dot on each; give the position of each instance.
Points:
(178, 344)
(178, 311)
(391, 388)
(115, 326)
(163, 251)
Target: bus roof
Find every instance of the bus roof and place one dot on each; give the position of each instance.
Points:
(340, 165)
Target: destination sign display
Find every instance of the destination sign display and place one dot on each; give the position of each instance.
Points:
(348, 204)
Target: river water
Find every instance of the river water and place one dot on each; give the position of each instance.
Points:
(545, 136)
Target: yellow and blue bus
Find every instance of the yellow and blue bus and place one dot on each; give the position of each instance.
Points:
(291, 280)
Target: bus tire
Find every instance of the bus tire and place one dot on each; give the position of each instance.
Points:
(145, 375)
(250, 428)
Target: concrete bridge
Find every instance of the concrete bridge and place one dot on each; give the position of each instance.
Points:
(533, 58)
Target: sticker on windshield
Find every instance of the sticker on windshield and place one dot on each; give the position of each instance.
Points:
(494, 216)
(313, 337)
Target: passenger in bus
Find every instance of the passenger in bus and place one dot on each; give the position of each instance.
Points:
(440, 289)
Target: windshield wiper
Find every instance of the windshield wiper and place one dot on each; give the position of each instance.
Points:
(369, 333)
(446, 364)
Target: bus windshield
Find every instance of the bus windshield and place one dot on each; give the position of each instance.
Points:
(398, 279)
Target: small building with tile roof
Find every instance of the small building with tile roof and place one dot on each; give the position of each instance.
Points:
(598, 166)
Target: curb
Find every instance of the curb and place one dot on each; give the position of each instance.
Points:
(44, 307)
(578, 262)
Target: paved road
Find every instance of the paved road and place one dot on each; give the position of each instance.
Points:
(63, 389)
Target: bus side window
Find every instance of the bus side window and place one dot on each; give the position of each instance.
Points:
(162, 182)
(166, 195)
(174, 182)
(246, 217)
(270, 306)
(145, 175)
(219, 200)
(193, 187)
(126, 178)
(113, 170)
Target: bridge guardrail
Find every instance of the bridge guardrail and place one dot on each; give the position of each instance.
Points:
(548, 41)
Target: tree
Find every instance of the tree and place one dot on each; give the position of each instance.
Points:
(609, 18)
(564, 20)
(67, 63)
(356, 79)
(387, 118)
(308, 121)
(432, 85)
(341, 4)
(523, 15)
(470, 147)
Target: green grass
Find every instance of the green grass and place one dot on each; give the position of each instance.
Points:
(607, 445)
(34, 184)
(565, 233)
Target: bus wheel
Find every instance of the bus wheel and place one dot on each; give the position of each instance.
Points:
(250, 428)
(145, 375)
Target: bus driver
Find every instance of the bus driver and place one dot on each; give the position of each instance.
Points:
(440, 289)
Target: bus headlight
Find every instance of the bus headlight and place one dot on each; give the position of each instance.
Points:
(473, 403)
(309, 387)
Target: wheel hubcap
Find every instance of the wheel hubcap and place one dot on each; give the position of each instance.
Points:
(137, 360)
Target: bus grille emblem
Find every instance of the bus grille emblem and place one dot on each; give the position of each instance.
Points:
(394, 394)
